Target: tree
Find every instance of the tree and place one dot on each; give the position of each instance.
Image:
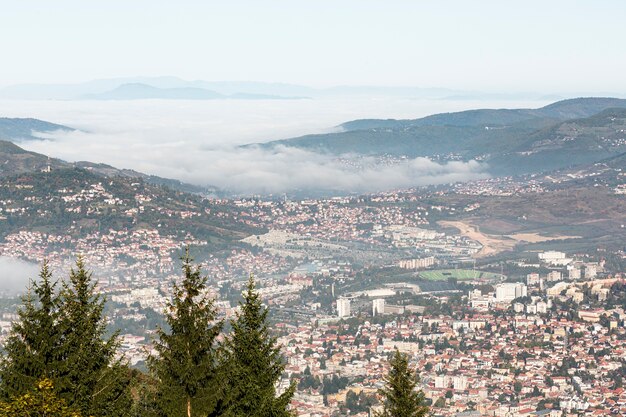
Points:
(400, 396)
(187, 364)
(254, 363)
(33, 349)
(41, 402)
(91, 378)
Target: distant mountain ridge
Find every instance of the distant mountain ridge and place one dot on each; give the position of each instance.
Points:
(510, 141)
(26, 128)
(560, 110)
(232, 89)
(139, 91)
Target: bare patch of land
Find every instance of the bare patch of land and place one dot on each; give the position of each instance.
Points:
(537, 238)
(491, 244)
(494, 244)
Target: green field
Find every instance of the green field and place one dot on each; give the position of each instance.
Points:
(458, 274)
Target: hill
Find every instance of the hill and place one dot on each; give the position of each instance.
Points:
(509, 141)
(20, 129)
(15, 161)
(560, 110)
(76, 203)
(139, 91)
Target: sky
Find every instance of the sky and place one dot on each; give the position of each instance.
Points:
(499, 46)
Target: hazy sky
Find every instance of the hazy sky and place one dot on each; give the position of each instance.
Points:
(530, 45)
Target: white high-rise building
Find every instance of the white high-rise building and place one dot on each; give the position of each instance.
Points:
(532, 279)
(591, 270)
(574, 273)
(509, 291)
(343, 307)
(554, 276)
(378, 307)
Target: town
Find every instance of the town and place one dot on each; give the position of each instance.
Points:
(351, 279)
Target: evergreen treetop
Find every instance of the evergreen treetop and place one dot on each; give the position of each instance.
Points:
(400, 396)
(254, 363)
(92, 378)
(32, 351)
(187, 365)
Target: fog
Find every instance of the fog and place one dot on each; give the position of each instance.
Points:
(198, 141)
(15, 275)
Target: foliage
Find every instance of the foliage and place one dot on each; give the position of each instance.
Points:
(41, 402)
(34, 347)
(92, 379)
(400, 395)
(254, 363)
(187, 364)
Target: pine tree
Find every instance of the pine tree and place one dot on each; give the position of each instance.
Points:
(32, 351)
(186, 366)
(400, 397)
(254, 363)
(92, 379)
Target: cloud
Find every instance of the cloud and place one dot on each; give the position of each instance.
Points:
(199, 142)
(15, 275)
(283, 169)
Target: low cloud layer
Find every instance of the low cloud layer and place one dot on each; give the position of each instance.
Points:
(256, 170)
(15, 275)
(199, 142)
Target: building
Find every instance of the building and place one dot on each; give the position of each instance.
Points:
(378, 307)
(416, 263)
(574, 273)
(554, 276)
(532, 279)
(343, 307)
(553, 257)
(509, 291)
(391, 309)
(591, 270)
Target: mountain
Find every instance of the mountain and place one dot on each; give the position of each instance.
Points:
(129, 88)
(236, 89)
(560, 110)
(510, 141)
(138, 91)
(20, 129)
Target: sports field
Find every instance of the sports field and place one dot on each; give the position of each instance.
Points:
(459, 274)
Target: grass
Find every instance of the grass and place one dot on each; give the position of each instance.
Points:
(458, 274)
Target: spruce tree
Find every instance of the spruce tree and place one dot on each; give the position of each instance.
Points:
(186, 366)
(92, 379)
(400, 396)
(33, 349)
(254, 363)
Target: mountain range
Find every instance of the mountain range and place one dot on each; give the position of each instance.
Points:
(139, 91)
(509, 141)
(584, 137)
(104, 88)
